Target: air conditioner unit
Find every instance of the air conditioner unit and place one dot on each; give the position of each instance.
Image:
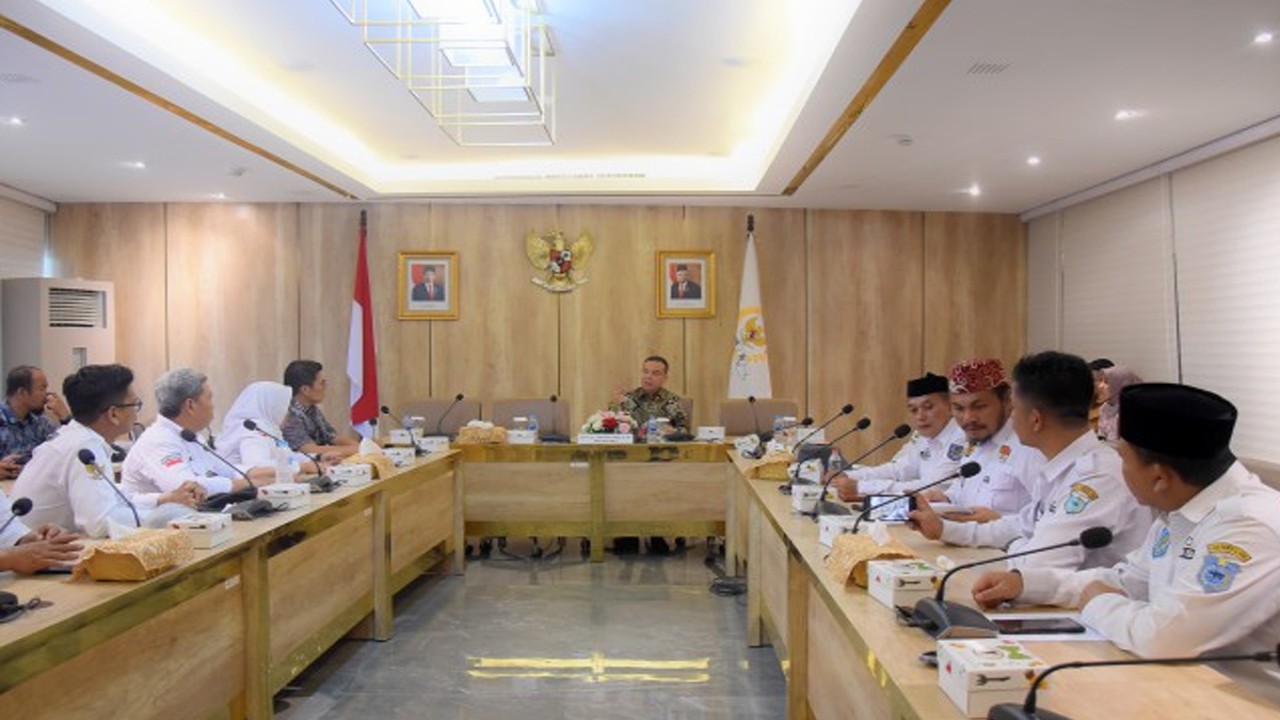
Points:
(58, 325)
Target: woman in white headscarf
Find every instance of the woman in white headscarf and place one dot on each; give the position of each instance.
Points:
(1114, 379)
(266, 404)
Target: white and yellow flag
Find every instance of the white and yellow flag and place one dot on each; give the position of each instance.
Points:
(749, 369)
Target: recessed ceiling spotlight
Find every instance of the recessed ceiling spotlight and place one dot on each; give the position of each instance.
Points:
(1123, 115)
(134, 164)
(1033, 160)
(14, 121)
(219, 196)
(1264, 37)
(974, 190)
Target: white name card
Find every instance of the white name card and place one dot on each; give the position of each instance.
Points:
(606, 439)
(711, 433)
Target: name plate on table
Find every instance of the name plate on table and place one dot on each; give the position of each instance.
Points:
(522, 437)
(606, 439)
(811, 437)
(433, 444)
(400, 436)
(708, 433)
(401, 456)
(353, 475)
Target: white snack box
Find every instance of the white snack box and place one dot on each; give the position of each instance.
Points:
(433, 444)
(901, 582)
(522, 437)
(832, 526)
(977, 674)
(286, 496)
(353, 475)
(400, 437)
(804, 498)
(711, 433)
(401, 456)
(206, 530)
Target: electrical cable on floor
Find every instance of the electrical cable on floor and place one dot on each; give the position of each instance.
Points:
(723, 585)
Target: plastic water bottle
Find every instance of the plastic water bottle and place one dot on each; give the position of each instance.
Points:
(836, 463)
(777, 426)
(651, 431)
(533, 425)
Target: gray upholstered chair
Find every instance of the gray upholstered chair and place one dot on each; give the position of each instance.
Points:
(438, 418)
(739, 417)
(553, 417)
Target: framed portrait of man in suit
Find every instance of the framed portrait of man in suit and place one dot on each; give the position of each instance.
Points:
(686, 284)
(428, 285)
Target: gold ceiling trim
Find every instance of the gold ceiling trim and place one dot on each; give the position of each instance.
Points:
(137, 90)
(911, 35)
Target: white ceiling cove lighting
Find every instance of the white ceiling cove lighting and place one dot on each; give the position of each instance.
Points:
(479, 67)
(1264, 37)
(14, 121)
(1123, 115)
(134, 164)
(1034, 160)
(974, 190)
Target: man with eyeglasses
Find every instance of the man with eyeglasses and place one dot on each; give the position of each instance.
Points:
(78, 492)
(25, 417)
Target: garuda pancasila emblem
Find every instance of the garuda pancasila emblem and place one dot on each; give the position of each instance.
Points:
(562, 263)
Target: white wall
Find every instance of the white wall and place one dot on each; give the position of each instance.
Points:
(1177, 277)
(23, 239)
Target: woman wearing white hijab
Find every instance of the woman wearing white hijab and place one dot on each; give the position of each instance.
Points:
(266, 404)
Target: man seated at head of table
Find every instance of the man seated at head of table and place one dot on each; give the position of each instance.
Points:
(651, 399)
(933, 452)
(161, 461)
(980, 404)
(1078, 487)
(68, 492)
(23, 550)
(29, 415)
(1205, 578)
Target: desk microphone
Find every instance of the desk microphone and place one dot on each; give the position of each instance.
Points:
(20, 507)
(1027, 710)
(943, 619)
(190, 436)
(966, 470)
(554, 436)
(322, 481)
(440, 422)
(387, 411)
(90, 463)
(755, 421)
(822, 507)
(846, 410)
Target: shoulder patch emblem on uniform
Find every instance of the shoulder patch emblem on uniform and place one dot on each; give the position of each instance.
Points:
(1079, 498)
(955, 451)
(1161, 546)
(171, 460)
(1235, 551)
(1005, 452)
(1217, 573)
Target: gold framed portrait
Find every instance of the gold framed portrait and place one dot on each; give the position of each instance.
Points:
(685, 284)
(428, 283)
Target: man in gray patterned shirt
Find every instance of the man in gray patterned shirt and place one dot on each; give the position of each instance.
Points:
(305, 428)
(25, 417)
(651, 399)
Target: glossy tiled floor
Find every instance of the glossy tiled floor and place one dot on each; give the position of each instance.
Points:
(635, 637)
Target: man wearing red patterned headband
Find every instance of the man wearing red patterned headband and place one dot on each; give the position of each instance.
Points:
(980, 404)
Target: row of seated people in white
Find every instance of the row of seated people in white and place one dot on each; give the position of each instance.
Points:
(163, 474)
(1195, 558)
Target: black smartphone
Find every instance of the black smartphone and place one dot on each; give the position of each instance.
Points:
(1038, 626)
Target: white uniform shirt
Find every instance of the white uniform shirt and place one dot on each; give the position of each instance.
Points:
(160, 461)
(1207, 579)
(16, 530)
(1080, 488)
(921, 461)
(64, 492)
(1007, 469)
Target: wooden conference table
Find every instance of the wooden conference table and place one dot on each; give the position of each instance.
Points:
(218, 636)
(847, 657)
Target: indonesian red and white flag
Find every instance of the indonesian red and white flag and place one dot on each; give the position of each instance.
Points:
(749, 368)
(362, 355)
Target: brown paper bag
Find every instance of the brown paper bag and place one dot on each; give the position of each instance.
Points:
(847, 562)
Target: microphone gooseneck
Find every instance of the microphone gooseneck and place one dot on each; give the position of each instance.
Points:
(1092, 538)
(90, 462)
(190, 436)
(440, 422)
(966, 470)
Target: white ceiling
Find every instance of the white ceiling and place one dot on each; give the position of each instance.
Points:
(708, 102)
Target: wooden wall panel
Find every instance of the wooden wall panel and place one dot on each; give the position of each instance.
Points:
(610, 324)
(232, 293)
(975, 269)
(864, 343)
(709, 342)
(125, 244)
(505, 343)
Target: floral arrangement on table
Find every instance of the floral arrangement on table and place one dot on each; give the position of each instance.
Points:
(609, 422)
